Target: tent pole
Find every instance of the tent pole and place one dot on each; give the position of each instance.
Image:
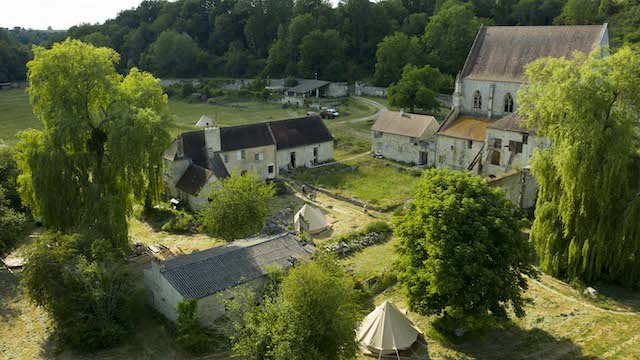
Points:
(380, 355)
(397, 354)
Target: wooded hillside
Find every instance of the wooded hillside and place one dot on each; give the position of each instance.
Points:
(243, 38)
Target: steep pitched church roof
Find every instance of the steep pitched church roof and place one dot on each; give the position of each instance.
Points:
(500, 53)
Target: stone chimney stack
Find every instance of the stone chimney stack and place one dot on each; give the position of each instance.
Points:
(212, 140)
(457, 94)
(180, 147)
(401, 112)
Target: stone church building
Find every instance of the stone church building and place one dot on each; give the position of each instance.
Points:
(483, 133)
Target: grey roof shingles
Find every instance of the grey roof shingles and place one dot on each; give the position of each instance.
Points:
(194, 179)
(210, 271)
(304, 86)
(513, 122)
(297, 132)
(245, 136)
(500, 53)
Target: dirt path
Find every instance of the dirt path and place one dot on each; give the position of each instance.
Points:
(343, 160)
(381, 108)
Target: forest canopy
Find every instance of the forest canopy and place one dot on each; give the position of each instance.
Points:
(246, 38)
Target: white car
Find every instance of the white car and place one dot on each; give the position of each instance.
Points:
(333, 112)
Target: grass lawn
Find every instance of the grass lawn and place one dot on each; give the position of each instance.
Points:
(15, 115)
(559, 324)
(370, 180)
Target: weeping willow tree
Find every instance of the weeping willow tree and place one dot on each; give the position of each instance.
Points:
(101, 144)
(587, 223)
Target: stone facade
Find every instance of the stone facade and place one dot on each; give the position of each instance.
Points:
(261, 160)
(508, 150)
(519, 187)
(419, 151)
(305, 156)
(456, 153)
(493, 96)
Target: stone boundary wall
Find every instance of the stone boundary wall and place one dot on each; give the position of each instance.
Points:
(519, 187)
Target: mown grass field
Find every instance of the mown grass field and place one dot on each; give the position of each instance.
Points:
(372, 180)
(16, 113)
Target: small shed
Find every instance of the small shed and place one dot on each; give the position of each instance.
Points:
(205, 122)
(209, 276)
(309, 219)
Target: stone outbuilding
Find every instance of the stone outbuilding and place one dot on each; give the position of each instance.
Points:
(405, 137)
(210, 276)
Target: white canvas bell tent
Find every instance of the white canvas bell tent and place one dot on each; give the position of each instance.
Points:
(386, 331)
(309, 219)
(204, 122)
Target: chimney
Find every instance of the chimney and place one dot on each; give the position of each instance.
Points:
(212, 140)
(401, 112)
(180, 146)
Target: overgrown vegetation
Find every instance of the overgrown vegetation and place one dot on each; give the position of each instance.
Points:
(461, 252)
(81, 282)
(191, 335)
(12, 217)
(311, 316)
(238, 208)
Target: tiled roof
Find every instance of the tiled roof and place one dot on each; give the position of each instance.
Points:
(245, 136)
(207, 272)
(406, 124)
(193, 179)
(304, 86)
(467, 127)
(292, 133)
(500, 53)
(512, 122)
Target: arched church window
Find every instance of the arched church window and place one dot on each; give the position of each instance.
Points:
(477, 100)
(508, 103)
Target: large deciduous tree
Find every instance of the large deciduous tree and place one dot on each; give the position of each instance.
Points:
(322, 53)
(238, 207)
(418, 88)
(587, 222)
(102, 142)
(312, 316)
(173, 54)
(462, 253)
(449, 35)
(394, 52)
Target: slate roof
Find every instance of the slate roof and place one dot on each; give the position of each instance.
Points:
(207, 272)
(512, 122)
(193, 179)
(292, 133)
(194, 147)
(245, 136)
(500, 53)
(405, 124)
(304, 86)
(467, 127)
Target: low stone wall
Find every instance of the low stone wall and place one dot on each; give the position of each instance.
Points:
(519, 187)
(363, 89)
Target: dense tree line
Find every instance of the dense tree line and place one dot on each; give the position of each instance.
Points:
(307, 37)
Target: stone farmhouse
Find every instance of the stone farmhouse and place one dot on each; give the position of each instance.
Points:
(483, 133)
(405, 137)
(197, 160)
(211, 276)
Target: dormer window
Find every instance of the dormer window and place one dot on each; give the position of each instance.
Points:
(508, 103)
(477, 100)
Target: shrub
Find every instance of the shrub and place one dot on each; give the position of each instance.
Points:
(180, 223)
(379, 226)
(290, 82)
(190, 334)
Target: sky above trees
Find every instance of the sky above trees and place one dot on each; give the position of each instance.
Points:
(60, 14)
